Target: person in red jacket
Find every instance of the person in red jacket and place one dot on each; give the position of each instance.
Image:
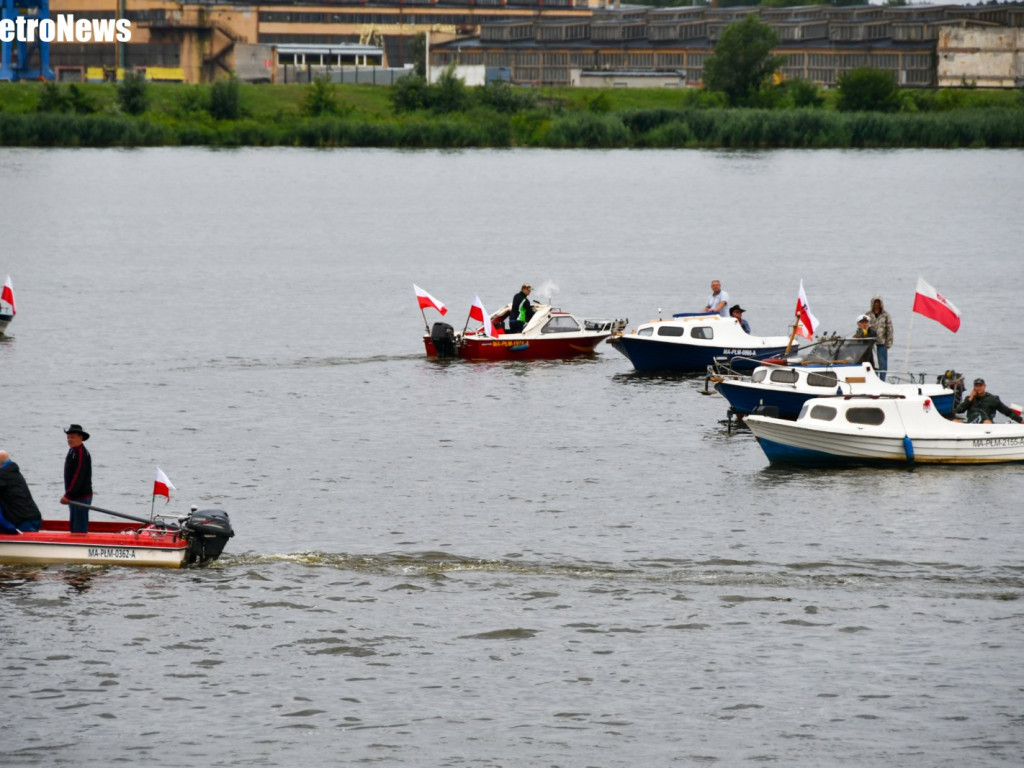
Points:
(77, 478)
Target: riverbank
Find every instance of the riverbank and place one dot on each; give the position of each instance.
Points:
(90, 114)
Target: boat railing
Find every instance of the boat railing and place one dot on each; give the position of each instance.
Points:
(614, 326)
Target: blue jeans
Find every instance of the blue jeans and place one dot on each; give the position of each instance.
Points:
(28, 526)
(883, 361)
(79, 515)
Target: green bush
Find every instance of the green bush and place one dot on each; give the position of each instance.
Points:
(132, 95)
(225, 99)
(320, 99)
(867, 90)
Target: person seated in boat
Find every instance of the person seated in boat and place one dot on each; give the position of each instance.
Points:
(718, 300)
(981, 406)
(864, 329)
(522, 310)
(18, 511)
(737, 311)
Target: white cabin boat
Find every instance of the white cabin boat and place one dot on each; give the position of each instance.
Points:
(858, 429)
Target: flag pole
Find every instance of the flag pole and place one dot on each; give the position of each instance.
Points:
(792, 334)
(152, 509)
(906, 360)
(425, 323)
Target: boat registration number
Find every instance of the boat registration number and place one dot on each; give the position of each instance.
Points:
(114, 553)
(999, 442)
(749, 352)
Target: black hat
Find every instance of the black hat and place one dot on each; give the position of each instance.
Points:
(77, 428)
(978, 381)
(736, 307)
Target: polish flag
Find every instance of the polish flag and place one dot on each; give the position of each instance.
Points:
(808, 322)
(7, 295)
(426, 300)
(477, 312)
(931, 303)
(163, 485)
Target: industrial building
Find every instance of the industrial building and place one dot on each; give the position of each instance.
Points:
(536, 42)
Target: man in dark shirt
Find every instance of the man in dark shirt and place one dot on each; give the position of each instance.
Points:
(77, 478)
(18, 511)
(522, 310)
(981, 406)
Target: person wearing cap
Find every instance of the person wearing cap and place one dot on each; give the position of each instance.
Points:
(718, 300)
(981, 406)
(522, 310)
(77, 478)
(737, 311)
(864, 329)
(18, 510)
(881, 324)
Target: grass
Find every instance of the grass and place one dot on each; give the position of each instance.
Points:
(272, 115)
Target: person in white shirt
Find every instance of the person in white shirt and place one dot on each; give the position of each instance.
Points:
(718, 301)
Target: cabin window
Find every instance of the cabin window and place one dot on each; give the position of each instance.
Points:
(873, 416)
(784, 376)
(560, 324)
(670, 330)
(823, 412)
(648, 331)
(823, 379)
(702, 332)
(759, 375)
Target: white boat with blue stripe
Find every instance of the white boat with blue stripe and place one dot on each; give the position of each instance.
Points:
(882, 429)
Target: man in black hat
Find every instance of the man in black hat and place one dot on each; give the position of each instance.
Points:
(77, 478)
(18, 510)
(981, 406)
(737, 311)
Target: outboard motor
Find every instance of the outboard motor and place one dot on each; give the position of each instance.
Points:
(443, 337)
(955, 381)
(208, 533)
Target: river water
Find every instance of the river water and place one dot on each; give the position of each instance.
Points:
(453, 564)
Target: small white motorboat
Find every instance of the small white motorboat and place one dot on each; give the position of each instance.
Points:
(882, 429)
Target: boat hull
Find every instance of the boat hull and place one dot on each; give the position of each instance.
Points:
(649, 355)
(517, 347)
(106, 543)
(5, 320)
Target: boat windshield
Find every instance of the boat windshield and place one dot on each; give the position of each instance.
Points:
(560, 324)
(840, 349)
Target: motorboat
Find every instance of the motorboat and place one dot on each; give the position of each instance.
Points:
(551, 334)
(882, 429)
(839, 367)
(164, 542)
(7, 310)
(690, 342)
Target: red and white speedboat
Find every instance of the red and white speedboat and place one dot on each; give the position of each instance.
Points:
(551, 334)
(199, 537)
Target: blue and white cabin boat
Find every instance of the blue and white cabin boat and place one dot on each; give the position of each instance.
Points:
(834, 367)
(857, 429)
(689, 343)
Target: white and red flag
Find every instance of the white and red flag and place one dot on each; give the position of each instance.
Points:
(426, 300)
(477, 312)
(808, 323)
(163, 485)
(931, 303)
(7, 294)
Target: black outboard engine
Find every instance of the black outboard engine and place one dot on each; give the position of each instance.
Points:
(208, 532)
(443, 337)
(955, 381)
